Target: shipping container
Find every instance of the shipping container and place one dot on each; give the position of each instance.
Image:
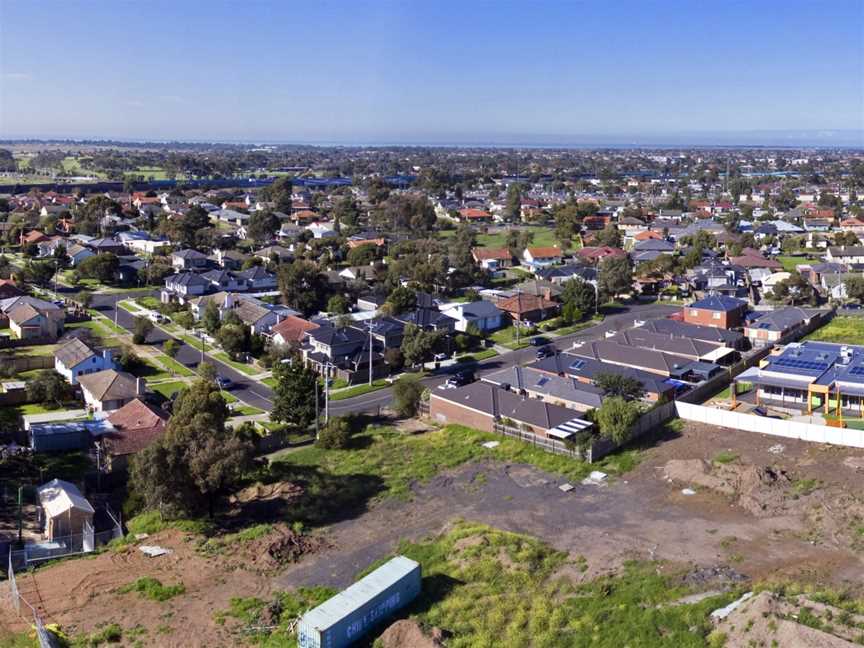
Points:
(345, 618)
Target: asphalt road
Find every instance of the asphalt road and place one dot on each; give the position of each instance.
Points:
(259, 395)
(613, 322)
(247, 390)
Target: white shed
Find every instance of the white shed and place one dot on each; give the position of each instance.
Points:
(67, 511)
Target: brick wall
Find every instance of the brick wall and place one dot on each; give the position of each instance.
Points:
(443, 411)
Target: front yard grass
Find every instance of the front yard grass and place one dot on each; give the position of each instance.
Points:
(359, 390)
(221, 356)
(168, 388)
(841, 329)
(398, 460)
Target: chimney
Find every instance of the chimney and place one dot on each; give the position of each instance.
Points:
(140, 386)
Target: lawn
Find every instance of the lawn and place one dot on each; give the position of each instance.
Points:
(491, 588)
(477, 357)
(543, 237)
(148, 302)
(842, 330)
(399, 459)
(37, 350)
(359, 390)
(789, 262)
(97, 328)
(221, 356)
(168, 388)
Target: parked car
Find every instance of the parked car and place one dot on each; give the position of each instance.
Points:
(460, 379)
(545, 352)
(438, 357)
(538, 341)
(224, 383)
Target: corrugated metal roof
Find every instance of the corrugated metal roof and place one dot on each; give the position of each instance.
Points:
(367, 588)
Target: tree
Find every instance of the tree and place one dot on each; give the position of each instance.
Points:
(855, 288)
(262, 226)
(401, 300)
(615, 276)
(102, 267)
(38, 272)
(613, 384)
(84, 297)
(362, 254)
(336, 435)
(196, 460)
(48, 386)
(407, 392)
(615, 417)
(418, 344)
(211, 318)
(303, 288)
(171, 348)
(338, 305)
(185, 319)
(141, 329)
(232, 339)
(513, 209)
(794, 290)
(294, 394)
(609, 235)
(579, 295)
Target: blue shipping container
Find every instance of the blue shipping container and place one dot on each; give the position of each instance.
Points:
(345, 618)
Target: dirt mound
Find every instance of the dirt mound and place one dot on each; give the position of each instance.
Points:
(407, 633)
(768, 620)
(266, 492)
(281, 547)
(721, 574)
(761, 491)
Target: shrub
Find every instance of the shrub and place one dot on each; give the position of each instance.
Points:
(336, 435)
(153, 589)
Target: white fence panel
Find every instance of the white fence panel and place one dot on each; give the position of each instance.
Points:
(774, 427)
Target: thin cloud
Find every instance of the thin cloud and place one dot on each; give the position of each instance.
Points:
(134, 103)
(17, 76)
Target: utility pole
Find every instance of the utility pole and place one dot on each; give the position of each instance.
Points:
(370, 352)
(327, 393)
(317, 415)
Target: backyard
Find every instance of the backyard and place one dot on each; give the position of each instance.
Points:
(841, 330)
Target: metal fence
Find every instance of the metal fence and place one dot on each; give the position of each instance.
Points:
(24, 609)
(544, 443)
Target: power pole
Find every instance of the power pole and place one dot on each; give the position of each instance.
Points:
(370, 352)
(317, 415)
(326, 393)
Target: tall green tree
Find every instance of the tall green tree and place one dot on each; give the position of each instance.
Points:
(302, 286)
(198, 458)
(262, 226)
(615, 276)
(417, 344)
(294, 394)
(615, 417)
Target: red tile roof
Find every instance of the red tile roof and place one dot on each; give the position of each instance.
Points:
(137, 425)
(486, 254)
(474, 213)
(292, 328)
(544, 252)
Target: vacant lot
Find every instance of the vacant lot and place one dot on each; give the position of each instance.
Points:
(842, 330)
(405, 492)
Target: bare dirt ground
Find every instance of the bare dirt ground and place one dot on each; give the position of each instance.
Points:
(641, 515)
(800, 526)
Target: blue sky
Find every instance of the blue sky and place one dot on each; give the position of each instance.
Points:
(441, 71)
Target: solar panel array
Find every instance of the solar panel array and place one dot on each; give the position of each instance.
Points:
(857, 371)
(578, 364)
(794, 363)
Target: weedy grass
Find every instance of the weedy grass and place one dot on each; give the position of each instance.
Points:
(153, 589)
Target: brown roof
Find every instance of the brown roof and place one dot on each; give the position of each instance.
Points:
(484, 254)
(526, 303)
(23, 313)
(33, 237)
(474, 213)
(545, 252)
(137, 425)
(109, 385)
(293, 329)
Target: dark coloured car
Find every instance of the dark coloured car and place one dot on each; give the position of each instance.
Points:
(460, 379)
(538, 341)
(545, 352)
(224, 383)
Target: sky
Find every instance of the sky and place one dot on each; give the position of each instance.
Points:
(441, 72)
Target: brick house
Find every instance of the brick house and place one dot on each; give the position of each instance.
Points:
(718, 311)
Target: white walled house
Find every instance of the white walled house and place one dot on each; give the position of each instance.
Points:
(75, 359)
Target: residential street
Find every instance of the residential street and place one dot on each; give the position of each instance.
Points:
(259, 395)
